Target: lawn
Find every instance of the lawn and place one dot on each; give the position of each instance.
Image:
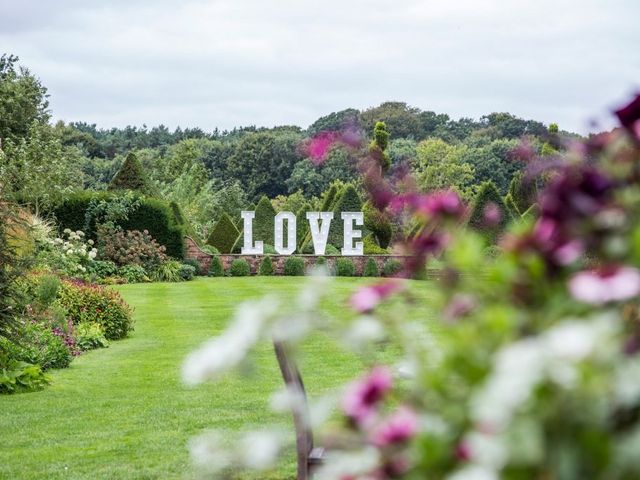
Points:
(123, 412)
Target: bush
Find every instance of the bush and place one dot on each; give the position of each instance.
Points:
(371, 269)
(240, 268)
(379, 224)
(211, 250)
(223, 235)
(370, 246)
(215, 268)
(187, 272)
(101, 269)
(487, 196)
(92, 303)
(269, 249)
(349, 201)
(391, 268)
(294, 267)
(167, 272)
(263, 221)
(132, 248)
(38, 345)
(76, 213)
(131, 176)
(133, 273)
(195, 264)
(90, 335)
(17, 376)
(345, 268)
(266, 266)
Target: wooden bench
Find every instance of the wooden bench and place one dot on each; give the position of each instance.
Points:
(308, 456)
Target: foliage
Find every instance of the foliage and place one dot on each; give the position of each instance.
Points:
(266, 266)
(371, 247)
(95, 304)
(197, 268)
(100, 269)
(345, 267)
(169, 271)
(522, 191)
(223, 235)
(239, 268)
(349, 201)
(215, 268)
(187, 272)
(131, 176)
(133, 273)
(132, 247)
(38, 345)
(294, 267)
(302, 224)
(17, 376)
(210, 250)
(371, 268)
(489, 214)
(312, 179)
(391, 268)
(263, 221)
(511, 206)
(378, 223)
(378, 146)
(90, 335)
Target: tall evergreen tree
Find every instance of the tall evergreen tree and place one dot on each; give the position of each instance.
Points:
(131, 176)
(349, 202)
(489, 214)
(263, 221)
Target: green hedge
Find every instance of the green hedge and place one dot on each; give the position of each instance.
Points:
(371, 269)
(266, 266)
(263, 222)
(345, 268)
(215, 268)
(240, 268)
(152, 214)
(294, 267)
(224, 234)
(349, 202)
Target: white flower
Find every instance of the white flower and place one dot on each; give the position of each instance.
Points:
(80, 233)
(70, 251)
(364, 330)
(207, 451)
(90, 242)
(230, 348)
(259, 450)
(344, 464)
(67, 231)
(92, 254)
(474, 472)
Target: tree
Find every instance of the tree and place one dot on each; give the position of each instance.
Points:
(379, 144)
(335, 121)
(489, 214)
(401, 120)
(263, 221)
(349, 202)
(23, 100)
(378, 223)
(522, 191)
(131, 176)
(224, 234)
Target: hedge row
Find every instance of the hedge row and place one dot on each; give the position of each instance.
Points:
(152, 214)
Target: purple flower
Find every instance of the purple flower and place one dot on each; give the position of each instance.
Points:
(398, 428)
(613, 284)
(367, 298)
(629, 116)
(362, 396)
(459, 306)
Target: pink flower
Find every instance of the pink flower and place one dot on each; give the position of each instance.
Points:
(363, 395)
(318, 147)
(613, 284)
(368, 298)
(398, 428)
(445, 203)
(463, 451)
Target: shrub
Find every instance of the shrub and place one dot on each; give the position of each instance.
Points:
(195, 264)
(92, 303)
(349, 202)
(378, 223)
(167, 272)
(76, 212)
(131, 176)
(331, 250)
(345, 268)
(370, 246)
(223, 235)
(523, 192)
(133, 273)
(38, 345)
(211, 250)
(294, 267)
(302, 224)
(132, 247)
(511, 206)
(488, 196)
(266, 266)
(263, 221)
(17, 376)
(90, 335)
(187, 272)
(371, 269)
(391, 268)
(101, 269)
(240, 268)
(269, 249)
(215, 268)
(321, 261)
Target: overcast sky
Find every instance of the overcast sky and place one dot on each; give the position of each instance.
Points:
(225, 63)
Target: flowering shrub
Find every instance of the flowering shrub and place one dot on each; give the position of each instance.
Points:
(94, 304)
(535, 370)
(70, 254)
(132, 247)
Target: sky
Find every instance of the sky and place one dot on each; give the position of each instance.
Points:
(226, 63)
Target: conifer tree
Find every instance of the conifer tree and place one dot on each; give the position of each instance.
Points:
(224, 234)
(131, 176)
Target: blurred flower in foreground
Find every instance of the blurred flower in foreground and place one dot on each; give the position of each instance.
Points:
(602, 286)
(398, 428)
(629, 116)
(367, 298)
(362, 396)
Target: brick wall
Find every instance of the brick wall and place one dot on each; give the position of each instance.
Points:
(204, 259)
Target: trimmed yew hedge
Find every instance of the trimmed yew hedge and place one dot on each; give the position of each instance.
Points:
(224, 234)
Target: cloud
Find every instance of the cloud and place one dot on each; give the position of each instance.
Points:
(266, 62)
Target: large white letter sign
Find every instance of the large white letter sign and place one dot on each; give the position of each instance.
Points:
(249, 248)
(291, 233)
(350, 233)
(320, 234)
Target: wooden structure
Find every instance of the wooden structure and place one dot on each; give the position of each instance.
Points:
(308, 456)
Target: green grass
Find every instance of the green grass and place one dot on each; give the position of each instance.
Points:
(123, 412)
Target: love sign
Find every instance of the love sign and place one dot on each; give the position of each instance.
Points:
(319, 224)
